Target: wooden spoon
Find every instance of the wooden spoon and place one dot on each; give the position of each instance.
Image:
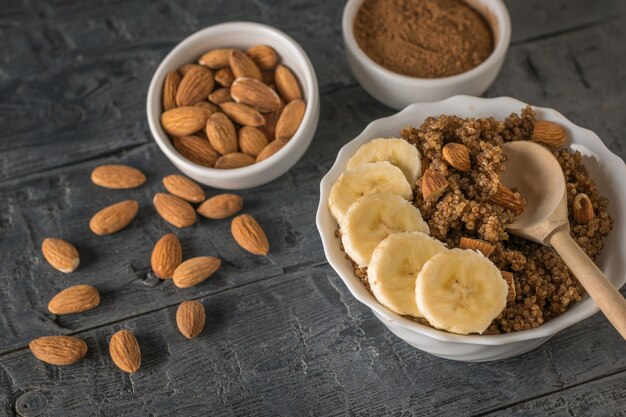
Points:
(537, 175)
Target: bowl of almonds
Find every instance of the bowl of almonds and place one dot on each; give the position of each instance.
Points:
(234, 105)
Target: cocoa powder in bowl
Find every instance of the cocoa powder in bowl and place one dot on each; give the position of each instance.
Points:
(423, 38)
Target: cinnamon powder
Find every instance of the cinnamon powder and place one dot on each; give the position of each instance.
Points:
(423, 38)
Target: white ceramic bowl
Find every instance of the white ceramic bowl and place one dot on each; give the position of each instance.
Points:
(238, 35)
(398, 91)
(606, 169)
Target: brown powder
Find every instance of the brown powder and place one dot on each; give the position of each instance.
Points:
(423, 38)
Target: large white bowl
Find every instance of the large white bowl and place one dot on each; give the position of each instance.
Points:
(605, 168)
(238, 35)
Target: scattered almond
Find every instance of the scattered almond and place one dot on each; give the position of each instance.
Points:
(242, 65)
(242, 114)
(234, 160)
(124, 351)
(60, 254)
(457, 155)
(224, 77)
(195, 270)
(170, 86)
(273, 147)
(510, 280)
(249, 235)
(219, 96)
(183, 187)
(114, 217)
(221, 206)
(254, 93)
(263, 56)
(215, 59)
(117, 177)
(74, 299)
(251, 140)
(507, 199)
(166, 256)
(483, 247)
(196, 149)
(287, 84)
(549, 133)
(183, 121)
(190, 318)
(582, 209)
(290, 119)
(222, 134)
(195, 86)
(58, 350)
(174, 210)
(433, 185)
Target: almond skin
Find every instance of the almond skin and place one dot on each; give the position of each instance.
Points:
(242, 65)
(510, 281)
(183, 187)
(433, 185)
(221, 206)
(252, 140)
(216, 58)
(166, 256)
(196, 149)
(549, 133)
(273, 147)
(58, 350)
(183, 121)
(222, 134)
(125, 352)
(248, 234)
(74, 299)
(263, 56)
(287, 84)
(271, 118)
(117, 177)
(170, 87)
(234, 160)
(60, 254)
(195, 86)
(190, 318)
(582, 209)
(185, 68)
(174, 210)
(290, 119)
(224, 77)
(482, 246)
(114, 217)
(457, 155)
(210, 107)
(219, 96)
(507, 199)
(242, 114)
(255, 94)
(195, 270)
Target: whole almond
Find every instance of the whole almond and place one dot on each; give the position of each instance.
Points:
(287, 84)
(190, 318)
(114, 217)
(582, 209)
(183, 121)
(195, 270)
(458, 156)
(242, 65)
(507, 199)
(510, 281)
(263, 56)
(251, 140)
(60, 254)
(196, 149)
(549, 133)
(195, 86)
(271, 118)
(216, 58)
(124, 351)
(290, 119)
(254, 93)
(482, 246)
(224, 77)
(248, 234)
(210, 107)
(117, 176)
(74, 299)
(183, 187)
(166, 256)
(221, 206)
(185, 68)
(170, 86)
(222, 134)
(433, 185)
(58, 350)
(219, 96)
(242, 114)
(273, 147)
(174, 210)
(234, 160)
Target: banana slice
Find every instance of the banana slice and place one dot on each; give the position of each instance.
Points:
(397, 151)
(372, 218)
(394, 267)
(375, 177)
(460, 291)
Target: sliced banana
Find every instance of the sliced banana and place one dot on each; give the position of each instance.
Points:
(375, 177)
(394, 267)
(460, 291)
(397, 151)
(372, 218)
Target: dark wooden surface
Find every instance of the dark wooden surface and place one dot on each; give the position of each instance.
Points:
(283, 335)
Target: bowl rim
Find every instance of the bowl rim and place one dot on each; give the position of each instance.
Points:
(309, 82)
(500, 13)
(329, 241)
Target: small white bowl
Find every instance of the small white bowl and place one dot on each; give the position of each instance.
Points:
(238, 35)
(398, 91)
(605, 168)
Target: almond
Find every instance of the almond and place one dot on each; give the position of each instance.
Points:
(582, 209)
(287, 84)
(170, 86)
(224, 77)
(273, 147)
(58, 350)
(219, 96)
(221, 133)
(114, 217)
(458, 156)
(74, 299)
(234, 160)
(196, 149)
(290, 119)
(210, 107)
(183, 187)
(263, 56)
(507, 199)
(60, 254)
(425, 165)
(184, 121)
(242, 65)
(195, 86)
(215, 59)
(510, 280)
(185, 68)
(124, 351)
(190, 318)
(549, 133)
(248, 234)
(166, 256)
(254, 93)
(242, 114)
(483, 247)
(251, 140)
(433, 185)
(174, 210)
(117, 177)
(267, 77)
(195, 270)
(221, 206)
(271, 118)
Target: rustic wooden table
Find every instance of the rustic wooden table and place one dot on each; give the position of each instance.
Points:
(283, 335)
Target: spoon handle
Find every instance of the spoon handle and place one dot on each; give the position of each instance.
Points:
(606, 296)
